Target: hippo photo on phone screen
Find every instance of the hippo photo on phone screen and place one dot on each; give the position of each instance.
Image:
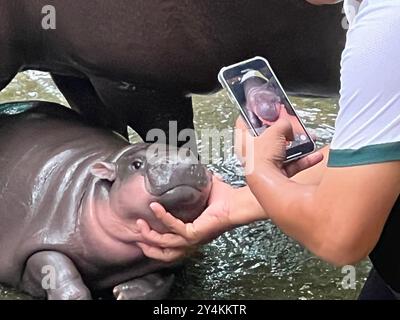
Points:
(71, 194)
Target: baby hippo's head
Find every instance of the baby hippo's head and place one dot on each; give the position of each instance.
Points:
(146, 173)
(262, 100)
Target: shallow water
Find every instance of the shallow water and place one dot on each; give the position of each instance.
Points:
(251, 262)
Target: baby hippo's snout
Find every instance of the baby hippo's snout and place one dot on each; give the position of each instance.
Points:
(167, 175)
(264, 103)
(179, 182)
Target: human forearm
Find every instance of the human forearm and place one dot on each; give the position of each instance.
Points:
(284, 199)
(245, 207)
(331, 219)
(314, 174)
(298, 210)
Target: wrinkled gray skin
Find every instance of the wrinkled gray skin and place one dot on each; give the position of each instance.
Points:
(71, 194)
(134, 62)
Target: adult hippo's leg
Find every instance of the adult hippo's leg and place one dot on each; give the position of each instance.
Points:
(147, 106)
(116, 104)
(154, 286)
(55, 275)
(83, 98)
(170, 113)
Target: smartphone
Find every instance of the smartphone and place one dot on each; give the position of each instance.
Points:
(254, 88)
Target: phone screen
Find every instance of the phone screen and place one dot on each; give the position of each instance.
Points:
(263, 101)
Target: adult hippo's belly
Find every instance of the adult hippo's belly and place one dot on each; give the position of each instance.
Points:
(71, 195)
(134, 62)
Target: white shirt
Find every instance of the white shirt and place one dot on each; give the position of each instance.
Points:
(368, 123)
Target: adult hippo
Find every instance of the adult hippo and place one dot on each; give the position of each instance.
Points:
(71, 195)
(135, 62)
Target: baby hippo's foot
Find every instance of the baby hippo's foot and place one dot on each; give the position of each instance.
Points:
(61, 280)
(153, 286)
(74, 290)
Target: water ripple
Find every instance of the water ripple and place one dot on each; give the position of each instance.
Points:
(252, 262)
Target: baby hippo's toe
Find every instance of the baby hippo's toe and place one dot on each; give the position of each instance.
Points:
(149, 287)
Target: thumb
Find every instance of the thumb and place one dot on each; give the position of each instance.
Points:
(281, 128)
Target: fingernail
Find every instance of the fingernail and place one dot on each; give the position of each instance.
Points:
(152, 205)
(139, 223)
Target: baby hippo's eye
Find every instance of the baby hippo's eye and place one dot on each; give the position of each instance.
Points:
(137, 164)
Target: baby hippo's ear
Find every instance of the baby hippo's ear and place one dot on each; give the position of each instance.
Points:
(104, 170)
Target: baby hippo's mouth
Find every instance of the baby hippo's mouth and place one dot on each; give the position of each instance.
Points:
(182, 188)
(185, 202)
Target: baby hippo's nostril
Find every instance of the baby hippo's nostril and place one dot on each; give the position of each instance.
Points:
(198, 173)
(196, 170)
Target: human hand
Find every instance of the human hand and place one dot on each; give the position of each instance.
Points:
(184, 237)
(267, 152)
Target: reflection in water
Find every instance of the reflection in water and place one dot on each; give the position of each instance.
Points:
(251, 262)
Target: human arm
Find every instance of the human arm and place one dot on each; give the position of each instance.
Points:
(339, 219)
(228, 208)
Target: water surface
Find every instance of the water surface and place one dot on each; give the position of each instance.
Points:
(251, 262)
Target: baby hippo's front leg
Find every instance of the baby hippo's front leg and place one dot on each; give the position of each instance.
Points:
(53, 274)
(153, 286)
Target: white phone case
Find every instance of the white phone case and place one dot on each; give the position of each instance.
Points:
(233, 99)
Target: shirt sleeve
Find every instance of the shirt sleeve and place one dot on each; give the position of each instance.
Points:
(368, 123)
